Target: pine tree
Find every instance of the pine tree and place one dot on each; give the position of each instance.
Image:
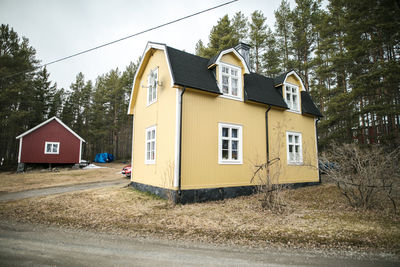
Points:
(304, 18)
(258, 38)
(199, 49)
(225, 34)
(239, 27)
(271, 58)
(283, 27)
(372, 42)
(24, 91)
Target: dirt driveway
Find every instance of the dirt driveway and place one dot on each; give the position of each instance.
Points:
(15, 182)
(4, 197)
(38, 183)
(29, 244)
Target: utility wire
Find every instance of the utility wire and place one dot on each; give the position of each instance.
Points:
(124, 38)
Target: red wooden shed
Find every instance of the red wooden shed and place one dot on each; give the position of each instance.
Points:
(50, 142)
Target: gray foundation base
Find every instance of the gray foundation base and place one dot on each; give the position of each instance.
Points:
(21, 167)
(202, 195)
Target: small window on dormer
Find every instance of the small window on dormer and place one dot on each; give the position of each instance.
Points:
(292, 97)
(230, 80)
(152, 80)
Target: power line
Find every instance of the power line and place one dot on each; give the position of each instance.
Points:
(124, 38)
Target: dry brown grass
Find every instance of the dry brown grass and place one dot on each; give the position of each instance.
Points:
(13, 182)
(315, 217)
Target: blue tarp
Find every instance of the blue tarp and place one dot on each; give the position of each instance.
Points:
(103, 157)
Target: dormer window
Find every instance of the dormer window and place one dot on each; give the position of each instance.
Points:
(152, 80)
(230, 81)
(291, 93)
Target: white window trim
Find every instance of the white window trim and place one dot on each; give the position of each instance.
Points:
(298, 97)
(149, 129)
(240, 89)
(153, 100)
(300, 162)
(240, 146)
(52, 143)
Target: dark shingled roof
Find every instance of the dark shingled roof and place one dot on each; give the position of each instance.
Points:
(259, 88)
(191, 71)
(212, 60)
(308, 106)
(280, 78)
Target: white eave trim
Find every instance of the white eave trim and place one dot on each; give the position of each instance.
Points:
(149, 46)
(44, 123)
(296, 75)
(233, 50)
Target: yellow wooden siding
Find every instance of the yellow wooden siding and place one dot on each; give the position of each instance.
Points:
(279, 123)
(290, 121)
(201, 115)
(162, 114)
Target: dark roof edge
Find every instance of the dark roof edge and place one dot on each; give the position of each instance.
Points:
(308, 106)
(265, 103)
(197, 88)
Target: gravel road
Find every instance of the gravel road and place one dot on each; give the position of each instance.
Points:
(39, 245)
(5, 197)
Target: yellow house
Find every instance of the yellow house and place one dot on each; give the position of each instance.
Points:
(200, 126)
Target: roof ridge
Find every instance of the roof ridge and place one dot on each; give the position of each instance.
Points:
(186, 52)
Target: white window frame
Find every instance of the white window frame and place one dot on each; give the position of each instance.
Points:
(52, 143)
(239, 138)
(150, 141)
(297, 160)
(290, 101)
(152, 91)
(230, 76)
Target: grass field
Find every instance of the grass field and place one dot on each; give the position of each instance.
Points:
(315, 217)
(14, 182)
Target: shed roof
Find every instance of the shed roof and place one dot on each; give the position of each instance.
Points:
(46, 122)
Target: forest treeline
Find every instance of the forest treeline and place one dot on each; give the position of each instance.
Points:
(97, 111)
(347, 55)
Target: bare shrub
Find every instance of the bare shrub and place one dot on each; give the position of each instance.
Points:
(266, 175)
(365, 176)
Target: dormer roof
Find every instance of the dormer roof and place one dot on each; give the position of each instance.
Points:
(215, 59)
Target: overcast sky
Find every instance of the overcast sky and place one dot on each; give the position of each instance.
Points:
(61, 28)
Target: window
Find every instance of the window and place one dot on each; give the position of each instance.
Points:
(52, 147)
(230, 81)
(292, 97)
(151, 145)
(152, 81)
(294, 148)
(230, 144)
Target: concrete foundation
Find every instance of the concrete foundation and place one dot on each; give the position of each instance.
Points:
(21, 167)
(202, 195)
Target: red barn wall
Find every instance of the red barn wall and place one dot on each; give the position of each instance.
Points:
(33, 145)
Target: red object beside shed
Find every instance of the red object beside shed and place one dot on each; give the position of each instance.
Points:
(50, 142)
